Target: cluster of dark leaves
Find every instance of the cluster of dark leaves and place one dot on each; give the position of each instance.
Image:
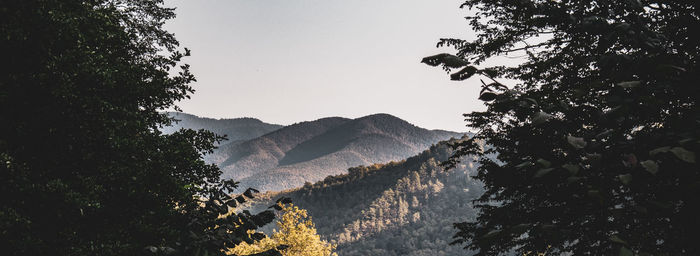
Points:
(213, 228)
(597, 143)
(84, 168)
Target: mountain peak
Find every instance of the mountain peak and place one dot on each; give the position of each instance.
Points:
(382, 117)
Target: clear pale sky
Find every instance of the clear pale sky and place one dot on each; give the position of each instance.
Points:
(287, 61)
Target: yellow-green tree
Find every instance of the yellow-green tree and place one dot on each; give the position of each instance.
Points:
(297, 231)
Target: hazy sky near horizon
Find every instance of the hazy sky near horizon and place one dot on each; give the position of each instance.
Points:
(287, 61)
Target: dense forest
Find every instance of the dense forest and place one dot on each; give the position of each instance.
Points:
(398, 208)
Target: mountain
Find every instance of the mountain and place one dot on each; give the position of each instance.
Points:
(236, 129)
(310, 151)
(398, 208)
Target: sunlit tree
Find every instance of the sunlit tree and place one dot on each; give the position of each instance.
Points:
(296, 234)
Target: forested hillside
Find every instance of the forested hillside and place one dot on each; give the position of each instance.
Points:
(398, 208)
(310, 151)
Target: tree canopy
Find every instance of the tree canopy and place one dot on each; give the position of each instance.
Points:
(84, 168)
(595, 147)
(296, 237)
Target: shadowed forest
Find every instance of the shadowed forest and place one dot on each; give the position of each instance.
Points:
(587, 143)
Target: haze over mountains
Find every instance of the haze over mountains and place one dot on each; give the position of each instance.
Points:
(270, 158)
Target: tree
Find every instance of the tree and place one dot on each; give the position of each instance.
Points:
(84, 168)
(596, 145)
(296, 237)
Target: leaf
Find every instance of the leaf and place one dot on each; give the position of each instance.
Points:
(487, 96)
(491, 234)
(616, 239)
(434, 60)
(284, 200)
(683, 154)
(572, 168)
(543, 172)
(672, 67)
(625, 252)
(531, 100)
(576, 142)
(524, 164)
(249, 192)
(152, 249)
(604, 134)
(464, 73)
(490, 72)
(540, 118)
(222, 209)
(629, 84)
(257, 236)
(263, 218)
(659, 150)
(544, 163)
(651, 166)
(623, 26)
(625, 178)
(452, 61)
(448, 60)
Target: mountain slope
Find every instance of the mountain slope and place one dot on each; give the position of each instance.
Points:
(398, 208)
(236, 129)
(310, 151)
(264, 152)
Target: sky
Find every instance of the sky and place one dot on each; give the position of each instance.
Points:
(289, 61)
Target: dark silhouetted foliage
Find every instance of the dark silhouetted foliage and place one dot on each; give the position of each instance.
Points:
(597, 143)
(84, 169)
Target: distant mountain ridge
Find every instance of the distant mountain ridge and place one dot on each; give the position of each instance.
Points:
(236, 129)
(310, 151)
(273, 157)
